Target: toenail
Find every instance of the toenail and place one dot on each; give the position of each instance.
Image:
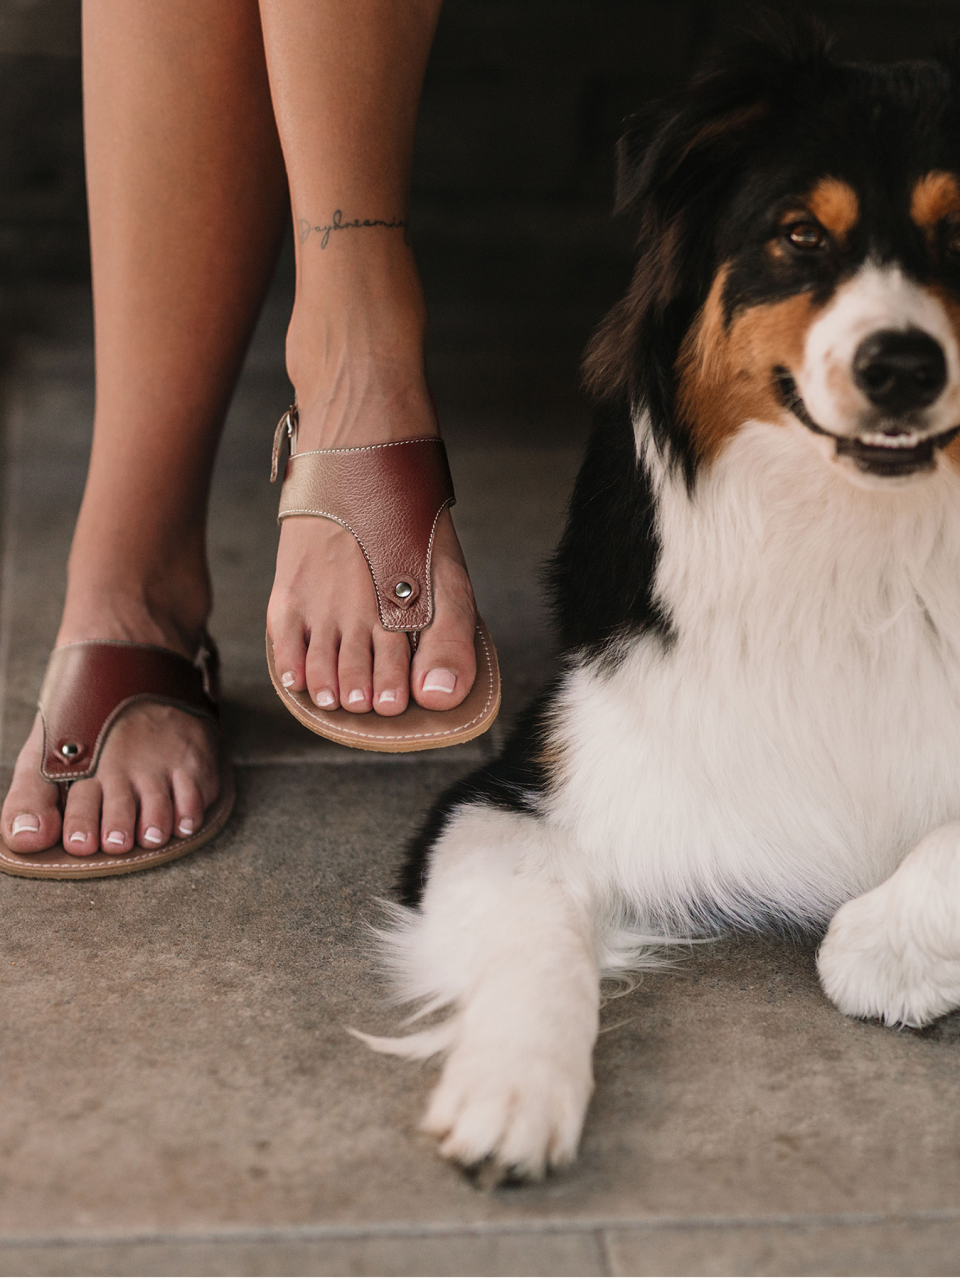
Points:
(326, 698)
(115, 837)
(357, 695)
(288, 679)
(187, 826)
(78, 837)
(387, 696)
(439, 681)
(153, 834)
(25, 822)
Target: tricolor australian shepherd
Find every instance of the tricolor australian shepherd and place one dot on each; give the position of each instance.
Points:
(758, 597)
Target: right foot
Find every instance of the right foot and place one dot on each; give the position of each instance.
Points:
(158, 773)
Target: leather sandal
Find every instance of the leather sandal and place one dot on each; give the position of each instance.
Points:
(390, 497)
(87, 687)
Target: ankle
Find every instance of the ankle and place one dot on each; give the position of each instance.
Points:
(355, 352)
(170, 615)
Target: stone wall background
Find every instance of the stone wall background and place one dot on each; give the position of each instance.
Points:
(522, 106)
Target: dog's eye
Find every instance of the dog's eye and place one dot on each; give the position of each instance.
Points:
(953, 240)
(806, 235)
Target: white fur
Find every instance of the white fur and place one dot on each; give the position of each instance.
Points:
(894, 953)
(876, 298)
(501, 941)
(779, 757)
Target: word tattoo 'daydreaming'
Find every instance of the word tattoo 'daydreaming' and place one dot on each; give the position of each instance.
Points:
(337, 223)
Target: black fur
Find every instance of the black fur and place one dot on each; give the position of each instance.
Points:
(708, 175)
(514, 781)
(601, 577)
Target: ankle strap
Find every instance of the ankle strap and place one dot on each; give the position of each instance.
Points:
(89, 683)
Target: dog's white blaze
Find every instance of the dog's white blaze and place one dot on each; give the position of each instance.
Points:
(876, 298)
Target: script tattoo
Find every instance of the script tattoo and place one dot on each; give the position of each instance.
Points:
(337, 223)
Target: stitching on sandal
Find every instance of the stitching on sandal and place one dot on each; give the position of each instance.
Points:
(344, 524)
(405, 737)
(124, 859)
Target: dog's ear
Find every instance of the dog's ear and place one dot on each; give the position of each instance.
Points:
(700, 129)
(675, 162)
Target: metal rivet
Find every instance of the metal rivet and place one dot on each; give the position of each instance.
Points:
(403, 590)
(70, 750)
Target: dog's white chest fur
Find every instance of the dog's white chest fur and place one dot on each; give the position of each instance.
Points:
(801, 730)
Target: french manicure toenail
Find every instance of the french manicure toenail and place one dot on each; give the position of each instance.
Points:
(78, 837)
(357, 695)
(387, 696)
(440, 681)
(115, 837)
(325, 698)
(288, 679)
(153, 834)
(25, 822)
(187, 826)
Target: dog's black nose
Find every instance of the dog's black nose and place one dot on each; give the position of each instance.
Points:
(900, 369)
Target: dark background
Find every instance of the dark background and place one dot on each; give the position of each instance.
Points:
(514, 171)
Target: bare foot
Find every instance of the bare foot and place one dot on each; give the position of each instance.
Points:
(158, 773)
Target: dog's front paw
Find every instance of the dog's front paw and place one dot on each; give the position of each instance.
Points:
(885, 958)
(516, 1117)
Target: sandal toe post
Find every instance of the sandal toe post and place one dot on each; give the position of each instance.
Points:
(390, 497)
(87, 687)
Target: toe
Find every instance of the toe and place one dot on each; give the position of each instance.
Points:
(30, 819)
(81, 818)
(286, 633)
(322, 656)
(391, 672)
(188, 806)
(355, 672)
(118, 822)
(156, 813)
(445, 664)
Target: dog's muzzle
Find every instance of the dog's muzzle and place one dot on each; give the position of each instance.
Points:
(892, 452)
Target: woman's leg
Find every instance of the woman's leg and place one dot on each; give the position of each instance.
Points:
(345, 77)
(187, 205)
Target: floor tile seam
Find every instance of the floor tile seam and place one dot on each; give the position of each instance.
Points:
(510, 1227)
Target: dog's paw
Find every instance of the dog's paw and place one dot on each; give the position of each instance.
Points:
(880, 959)
(512, 1117)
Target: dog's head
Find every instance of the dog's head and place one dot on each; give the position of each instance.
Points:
(799, 234)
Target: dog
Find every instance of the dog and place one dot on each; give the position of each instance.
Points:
(757, 717)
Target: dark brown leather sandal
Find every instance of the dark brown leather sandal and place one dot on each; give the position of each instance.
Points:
(87, 688)
(390, 497)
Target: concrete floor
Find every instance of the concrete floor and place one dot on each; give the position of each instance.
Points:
(181, 1095)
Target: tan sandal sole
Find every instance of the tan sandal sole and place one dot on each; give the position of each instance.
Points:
(56, 864)
(415, 729)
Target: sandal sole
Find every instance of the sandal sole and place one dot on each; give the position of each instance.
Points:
(415, 729)
(56, 864)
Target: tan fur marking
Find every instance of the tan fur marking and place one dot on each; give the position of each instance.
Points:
(935, 197)
(725, 375)
(835, 206)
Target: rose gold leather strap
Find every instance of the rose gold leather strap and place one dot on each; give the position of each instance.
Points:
(390, 497)
(90, 683)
